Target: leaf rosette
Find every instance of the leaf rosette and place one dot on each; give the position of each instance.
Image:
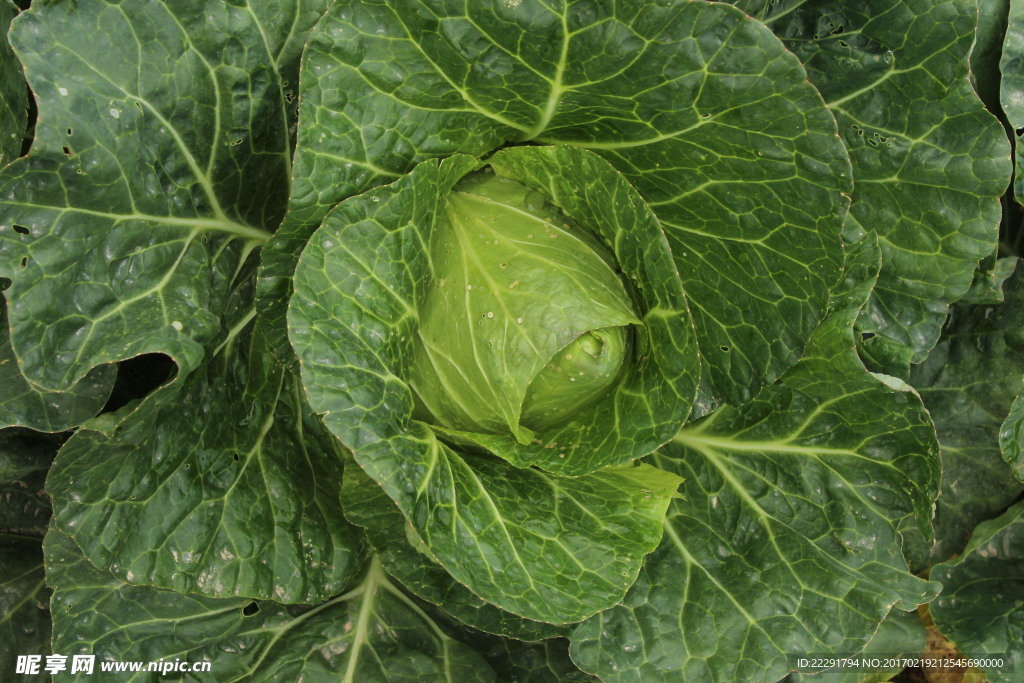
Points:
(684, 137)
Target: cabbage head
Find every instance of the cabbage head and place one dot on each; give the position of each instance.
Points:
(526, 323)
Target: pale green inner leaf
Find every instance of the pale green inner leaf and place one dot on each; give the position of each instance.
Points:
(515, 283)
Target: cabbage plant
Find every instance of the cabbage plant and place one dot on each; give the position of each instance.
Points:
(504, 340)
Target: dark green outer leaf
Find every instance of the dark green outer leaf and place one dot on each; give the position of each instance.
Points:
(1011, 437)
(989, 280)
(24, 405)
(367, 505)
(547, 547)
(860, 274)
(374, 632)
(885, 355)
(1012, 86)
(987, 51)
(156, 167)
(785, 538)
(286, 25)
(968, 384)
(901, 633)
(929, 163)
(699, 106)
(222, 484)
(13, 94)
(24, 600)
(565, 547)
(980, 608)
